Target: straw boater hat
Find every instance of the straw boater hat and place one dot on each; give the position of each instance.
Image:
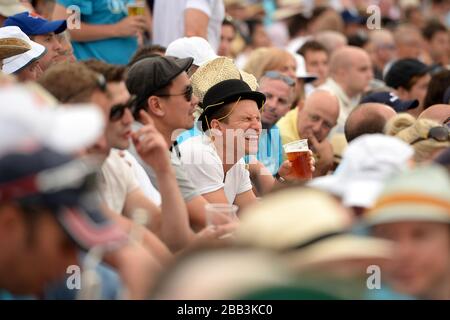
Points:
(309, 227)
(216, 71)
(12, 46)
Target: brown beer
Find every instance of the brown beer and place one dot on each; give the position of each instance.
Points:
(136, 9)
(300, 163)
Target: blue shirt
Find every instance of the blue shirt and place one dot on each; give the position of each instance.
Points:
(270, 150)
(111, 50)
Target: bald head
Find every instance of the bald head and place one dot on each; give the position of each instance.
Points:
(381, 36)
(351, 68)
(331, 40)
(319, 115)
(367, 118)
(438, 112)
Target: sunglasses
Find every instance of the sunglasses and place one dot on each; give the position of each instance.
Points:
(279, 76)
(440, 134)
(118, 110)
(187, 94)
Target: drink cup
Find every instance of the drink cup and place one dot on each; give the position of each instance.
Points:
(297, 153)
(136, 8)
(220, 213)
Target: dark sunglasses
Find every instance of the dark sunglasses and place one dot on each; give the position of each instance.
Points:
(187, 94)
(279, 76)
(440, 134)
(118, 110)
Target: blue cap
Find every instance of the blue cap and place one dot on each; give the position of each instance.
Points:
(390, 99)
(33, 24)
(64, 185)
(351, 17)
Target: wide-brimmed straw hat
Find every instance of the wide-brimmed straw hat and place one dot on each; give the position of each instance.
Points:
(308, 226)
(216, 71)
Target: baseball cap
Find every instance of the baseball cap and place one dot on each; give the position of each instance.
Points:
(33, 24)
(192, 47)
(390, 99)
(149, 75)
(403, 70)
(18, 62)
(420, 194)
(367, 163)
(41, 177)
(26, 119)
(11, 7)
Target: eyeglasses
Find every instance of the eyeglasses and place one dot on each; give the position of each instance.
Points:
(187, 94)
(279, 76)
(440, 134)
(118, 110)
(447, 122)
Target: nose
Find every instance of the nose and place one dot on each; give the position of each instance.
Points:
(127, 117)
(194, 100)
(256, 125)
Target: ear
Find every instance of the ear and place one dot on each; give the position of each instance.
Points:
(215, 124)
(155, 107)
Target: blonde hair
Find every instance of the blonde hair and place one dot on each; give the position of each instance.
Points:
(262, 60)
(408, 129)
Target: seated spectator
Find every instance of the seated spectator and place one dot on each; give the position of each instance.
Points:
(410, 79)
(43, 32)
(413, 212)
(228, 34)
(214, 162)
(313, 122)
(26, 66)
(349, 76)
(120, 189)
(367, 118)
(438, 40)
(316, 61)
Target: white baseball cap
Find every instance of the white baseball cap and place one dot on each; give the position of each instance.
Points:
(301, 72)
(192, 47)
(367, 163)
(27, 119)
(18, 62)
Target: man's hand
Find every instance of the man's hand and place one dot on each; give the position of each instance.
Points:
(131, 26)
(324, 152)
(287, 172)
(151, 146)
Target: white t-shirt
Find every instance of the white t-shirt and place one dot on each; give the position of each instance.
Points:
(143, 179)
(168, 19)
(205, 169)
(117, 180)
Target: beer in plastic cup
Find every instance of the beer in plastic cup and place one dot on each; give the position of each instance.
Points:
(136, 8)
(297, 154)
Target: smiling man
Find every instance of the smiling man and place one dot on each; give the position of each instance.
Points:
(231, 121)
